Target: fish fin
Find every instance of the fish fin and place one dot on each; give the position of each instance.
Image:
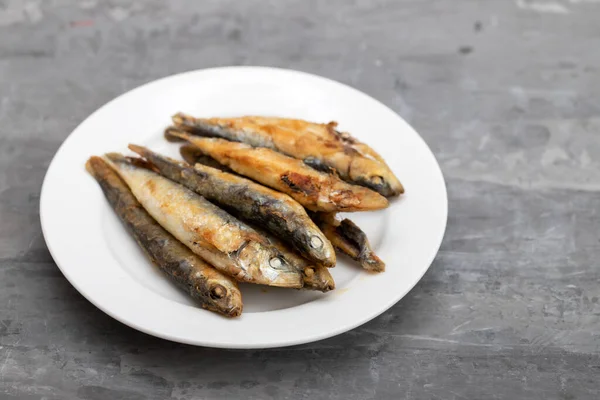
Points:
(141, 163)
(174, 134)
(193, 155)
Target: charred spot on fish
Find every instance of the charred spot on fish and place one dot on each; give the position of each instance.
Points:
(299, 183)
(316, 242)
(218, 292)
(285, 179)
(345, 198)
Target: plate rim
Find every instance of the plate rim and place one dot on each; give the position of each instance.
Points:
(243, 345)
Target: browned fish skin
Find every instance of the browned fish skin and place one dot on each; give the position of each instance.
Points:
(354, 161)
(216, 236)
(315, 190)
(348, 238)
(249, 201)
(329, 131)
(214, 291)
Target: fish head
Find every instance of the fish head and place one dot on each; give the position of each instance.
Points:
(318, 278)
(376, 176)
(317, 247)
(224, 297)
(266, 265)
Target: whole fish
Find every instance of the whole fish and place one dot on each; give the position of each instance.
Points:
(315, 190)
(274, 211)
(316, 277)
(348, 238)
(319, 145)
(225, 242)
(213, 290)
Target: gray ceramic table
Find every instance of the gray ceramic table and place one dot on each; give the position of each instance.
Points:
(505, 92)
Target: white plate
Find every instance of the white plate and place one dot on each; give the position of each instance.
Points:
(103, 262)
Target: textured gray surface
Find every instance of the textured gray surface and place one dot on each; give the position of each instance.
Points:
(506, 94)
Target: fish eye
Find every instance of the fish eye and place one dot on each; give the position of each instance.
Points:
(276, 262)
(218, 292)
(316, 242)
(377, 180)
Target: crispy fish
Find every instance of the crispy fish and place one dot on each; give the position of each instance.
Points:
(275, 211)
(348, 238)
(320, 145)
(315, 190)
(213, 290)
(225, 242)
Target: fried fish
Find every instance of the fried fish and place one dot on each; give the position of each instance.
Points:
(321, 146)
(250, 201)
(315, 190)
(219, 238)
(212, 289)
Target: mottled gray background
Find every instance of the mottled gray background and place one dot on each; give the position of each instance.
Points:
(506, 92)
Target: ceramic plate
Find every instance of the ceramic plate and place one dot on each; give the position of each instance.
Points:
(104, 263)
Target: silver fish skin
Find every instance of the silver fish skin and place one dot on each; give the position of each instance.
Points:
(212, 289)
(219, 238)
(249, 201)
